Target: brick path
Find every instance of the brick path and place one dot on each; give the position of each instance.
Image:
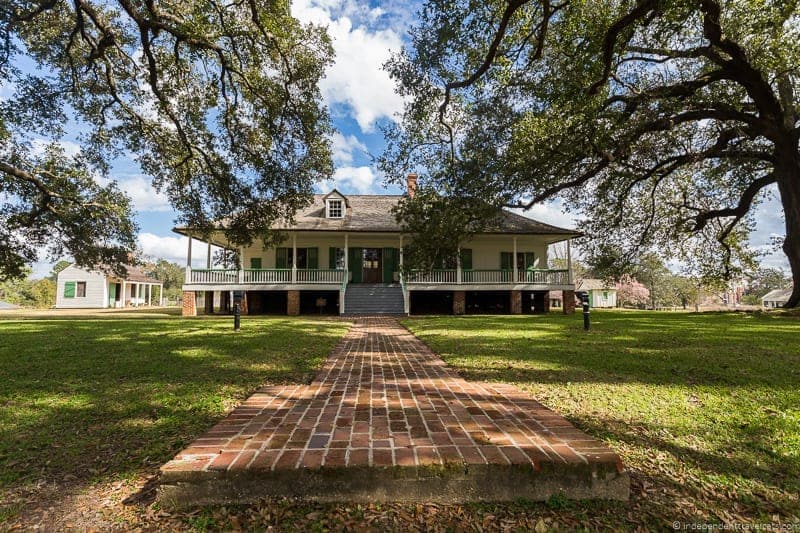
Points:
(384, 402)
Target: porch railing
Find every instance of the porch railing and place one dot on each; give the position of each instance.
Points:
(489, 277)
(264, 276)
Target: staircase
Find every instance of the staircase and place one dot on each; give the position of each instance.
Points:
(378, 299)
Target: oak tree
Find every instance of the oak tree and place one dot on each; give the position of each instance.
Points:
(217, 101)
(663, 122)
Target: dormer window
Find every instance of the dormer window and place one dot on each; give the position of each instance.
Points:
(335, 208)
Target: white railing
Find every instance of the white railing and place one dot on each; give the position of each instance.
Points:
(432, 276)
(216, 276)
(474, 277)
(264, 276)
(319, 276)
(275, 275)
(488, 277)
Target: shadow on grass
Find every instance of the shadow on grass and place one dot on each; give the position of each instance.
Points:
(88, 400)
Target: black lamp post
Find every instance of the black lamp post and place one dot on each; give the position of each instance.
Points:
(585, 302)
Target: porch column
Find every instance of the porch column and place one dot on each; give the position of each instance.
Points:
(208, 257)
(189, 262)
(569, 261)
(514, 260)
(458, 266)
(241, 265)
(150, 294)
(122, 293)
(346, 255)
(294, 258)
(161, 295)
(401, 254)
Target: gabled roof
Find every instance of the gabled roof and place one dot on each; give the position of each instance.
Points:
(134, 273)
(336, 193)
(591, 284)
(778, 295)
(373, 213)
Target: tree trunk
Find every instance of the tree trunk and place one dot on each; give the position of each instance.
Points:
(789, 187)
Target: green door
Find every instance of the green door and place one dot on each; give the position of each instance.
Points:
(354, 260)
(112, 294)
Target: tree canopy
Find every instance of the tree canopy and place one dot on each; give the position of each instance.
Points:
(664, 122)
(218, 102)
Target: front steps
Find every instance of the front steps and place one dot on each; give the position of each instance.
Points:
(373, 299)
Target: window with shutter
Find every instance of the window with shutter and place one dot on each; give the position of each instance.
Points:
(506, 260)
(80, 289)
(69, 289)
(466, 259)
(255, 263)
(281, 257)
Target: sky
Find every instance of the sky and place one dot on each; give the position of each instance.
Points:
(360, 97)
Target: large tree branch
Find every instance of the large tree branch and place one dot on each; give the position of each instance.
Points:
(740, 210)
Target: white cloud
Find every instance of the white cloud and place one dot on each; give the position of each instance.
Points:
(173, 249)
(357, 79)
(344, 148)
(352, 179)
(551, 213)
(141, 191)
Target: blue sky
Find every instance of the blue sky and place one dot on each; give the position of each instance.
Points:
(360, 96)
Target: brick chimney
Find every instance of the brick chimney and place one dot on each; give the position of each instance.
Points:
(411, 185)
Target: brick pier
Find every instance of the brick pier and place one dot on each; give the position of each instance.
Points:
(387, 420)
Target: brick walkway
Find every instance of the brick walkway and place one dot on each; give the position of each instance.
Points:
(387, 419)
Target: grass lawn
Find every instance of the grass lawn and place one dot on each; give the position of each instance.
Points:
(90, 402)
(703, 408)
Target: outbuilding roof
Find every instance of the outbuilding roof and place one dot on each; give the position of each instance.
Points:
(592, 284)
(778, 295)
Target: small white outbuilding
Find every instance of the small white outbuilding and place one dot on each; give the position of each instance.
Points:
(601, 294)
(79, 288)
(776, 298)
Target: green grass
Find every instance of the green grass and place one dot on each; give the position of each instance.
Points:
(703, 408)
(104, 398)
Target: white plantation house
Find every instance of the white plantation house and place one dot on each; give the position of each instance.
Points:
(344, 254)
(79, 288)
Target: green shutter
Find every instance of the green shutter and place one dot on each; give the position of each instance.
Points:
(466, 259)
(355, 262)
(280, 257)
(388, 264)
(506, 260)
(255, 263)
(331, 257)
(69, 289)
(312, 258)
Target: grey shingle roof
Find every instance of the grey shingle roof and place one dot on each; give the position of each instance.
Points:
(373, 213)
(778, 295)
(592, 284)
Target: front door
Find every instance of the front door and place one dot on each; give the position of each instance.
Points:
(371, 265)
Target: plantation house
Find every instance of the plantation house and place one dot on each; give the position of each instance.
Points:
(344, 254)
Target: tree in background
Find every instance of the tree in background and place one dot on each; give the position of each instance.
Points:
(27, 292)
(58, 267)
(170, 274)
(631, 293)
(219, 103)
(764, 280)
(665, 121)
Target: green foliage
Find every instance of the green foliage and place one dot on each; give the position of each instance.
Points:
(27, 292)
(764, 280)
(437, 223)
(172, 275)
(58, 267)
(664, 122)
(218, 102)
